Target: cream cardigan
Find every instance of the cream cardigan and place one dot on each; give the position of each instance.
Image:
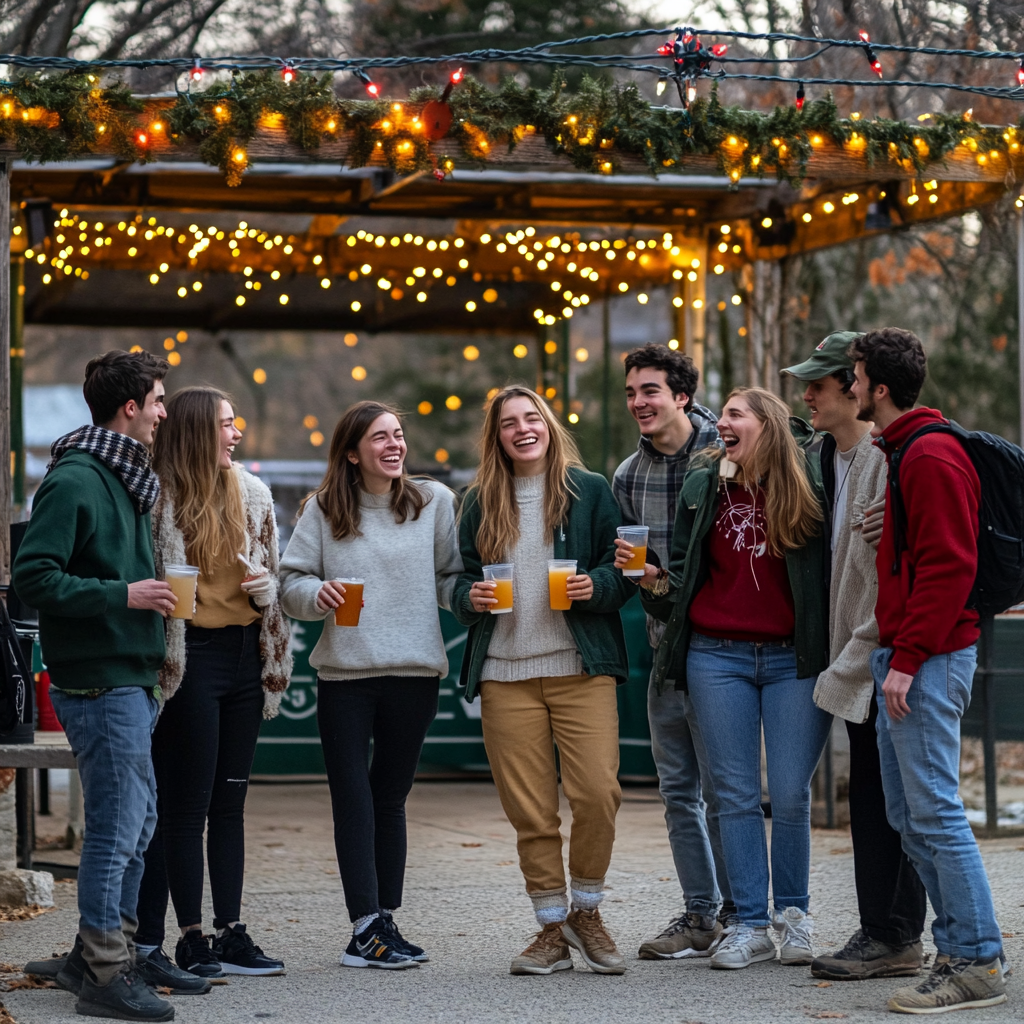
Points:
(846, 687)
(262, 552)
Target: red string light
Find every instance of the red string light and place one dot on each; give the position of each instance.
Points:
(800, 96)
(870, 54)
(1020, 73)
(371, 86)
(453, 80)
(288, 75)
(197, 72)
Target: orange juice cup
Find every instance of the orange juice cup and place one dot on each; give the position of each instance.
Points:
(182, 580)
(637, 536)
(559, 571)
(347, 614)
(501, 576)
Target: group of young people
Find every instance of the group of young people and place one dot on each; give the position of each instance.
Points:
(765, 610)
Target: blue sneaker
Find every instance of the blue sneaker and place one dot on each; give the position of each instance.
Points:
(402, 944)
(373, 947)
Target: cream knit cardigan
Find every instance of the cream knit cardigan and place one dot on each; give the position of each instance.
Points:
(262, 552)
(846, 688)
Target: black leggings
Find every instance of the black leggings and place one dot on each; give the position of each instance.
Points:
(368, 794)
(203, 747)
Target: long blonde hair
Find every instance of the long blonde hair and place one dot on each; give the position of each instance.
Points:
(792, 511)
(208, 506)
(495, 480)
(338, 493)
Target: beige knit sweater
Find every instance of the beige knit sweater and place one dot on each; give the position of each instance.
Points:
(846, 687)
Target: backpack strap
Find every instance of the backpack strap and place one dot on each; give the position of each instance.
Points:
(899, 512)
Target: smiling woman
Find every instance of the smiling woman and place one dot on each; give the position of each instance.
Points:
(368, 533)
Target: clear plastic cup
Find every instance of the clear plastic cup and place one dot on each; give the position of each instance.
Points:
(347, 614)
(182, 580)
(500, 574)
(637, 536)
(559, 571)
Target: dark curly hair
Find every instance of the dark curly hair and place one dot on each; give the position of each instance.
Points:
(681, 375)
(895, 358)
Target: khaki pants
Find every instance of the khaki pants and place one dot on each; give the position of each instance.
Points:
(522, 723)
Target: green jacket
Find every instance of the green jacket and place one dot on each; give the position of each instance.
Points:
(588, 535)
(688, 571)
(84, 544)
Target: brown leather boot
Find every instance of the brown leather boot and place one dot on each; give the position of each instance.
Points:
(546, 954)
(585, 930)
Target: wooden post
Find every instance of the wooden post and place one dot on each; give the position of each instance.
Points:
(5, 371)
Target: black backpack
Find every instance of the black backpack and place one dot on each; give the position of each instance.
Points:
(999, 583)
(15, 677)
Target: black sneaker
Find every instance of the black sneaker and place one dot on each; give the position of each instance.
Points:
(399, 942)
(126, 997)
(47, 968)
(238, 954)
(70, 976)
(373, 947)
(157, 971)
(193, 954)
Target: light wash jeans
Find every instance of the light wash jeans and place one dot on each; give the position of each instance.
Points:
(110, 736)
(737, 688)
(921, 776)
(691, 807)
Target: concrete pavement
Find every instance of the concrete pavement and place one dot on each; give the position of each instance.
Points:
(465, 902)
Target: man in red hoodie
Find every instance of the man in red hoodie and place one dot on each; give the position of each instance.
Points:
(924, 668)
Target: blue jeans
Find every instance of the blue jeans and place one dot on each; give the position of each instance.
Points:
(692, 821)
(736, 689)
(921, 776)
(110, 736)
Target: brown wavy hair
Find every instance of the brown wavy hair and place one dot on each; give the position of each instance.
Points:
(495, 479)
(338, 493)
(792, 511)
(208, 506)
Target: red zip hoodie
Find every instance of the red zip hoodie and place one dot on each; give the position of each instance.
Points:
(920, 610)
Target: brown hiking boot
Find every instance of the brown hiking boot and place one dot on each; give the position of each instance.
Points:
(863, 957)
(546, 954)
(585, 931)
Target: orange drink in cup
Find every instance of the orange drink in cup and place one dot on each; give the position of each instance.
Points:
(559, 571)
(347, 614)
(182, 580)
(501, 576)
(637, 537)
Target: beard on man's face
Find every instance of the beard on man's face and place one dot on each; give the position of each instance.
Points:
(866, 410)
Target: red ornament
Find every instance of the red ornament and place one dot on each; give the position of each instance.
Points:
(437, 119)
(439, 174)
(719, 49)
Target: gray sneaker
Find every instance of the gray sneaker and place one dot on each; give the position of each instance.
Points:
(741, 946)
(794, 929)
(865, 957)
(688, 935)
(954, 985)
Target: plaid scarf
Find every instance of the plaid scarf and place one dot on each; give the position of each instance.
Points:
(126, 458)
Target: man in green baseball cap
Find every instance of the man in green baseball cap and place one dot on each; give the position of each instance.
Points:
(890, 897)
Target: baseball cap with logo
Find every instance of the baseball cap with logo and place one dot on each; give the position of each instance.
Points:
(829, 357)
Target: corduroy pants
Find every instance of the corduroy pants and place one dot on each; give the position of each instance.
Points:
(523, 723)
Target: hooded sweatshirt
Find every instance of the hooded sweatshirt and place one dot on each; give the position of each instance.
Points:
(647, 485)
(920, 608)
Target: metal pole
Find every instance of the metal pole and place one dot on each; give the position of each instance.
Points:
(1020, 317)
(17, 301)
(5, 370)
(988, 685)
(606, 387)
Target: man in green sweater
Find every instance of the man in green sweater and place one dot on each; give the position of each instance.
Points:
(87, 564)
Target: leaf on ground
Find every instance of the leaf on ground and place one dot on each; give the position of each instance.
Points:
(212, 981)
(293, 920)
(828, 1015)
(28, 981)
(164, 990)
(5, 1017)
(824, 984)
(470, 846)
(665, 879)
(842, 849)
(1009, 935)
(23, 913)
(505, 863)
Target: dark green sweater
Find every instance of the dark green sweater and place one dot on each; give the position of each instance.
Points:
(84, 544)
(688, 571)
(588, 535)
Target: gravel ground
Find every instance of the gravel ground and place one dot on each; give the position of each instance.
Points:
(465, 902)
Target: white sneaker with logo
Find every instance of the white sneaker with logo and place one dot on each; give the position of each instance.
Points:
(741, 946)
(794, 929)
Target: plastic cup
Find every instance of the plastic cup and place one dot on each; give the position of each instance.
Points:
(347, 614)
(559, 571)
(500, 575)
(637, 536)
(182, 580)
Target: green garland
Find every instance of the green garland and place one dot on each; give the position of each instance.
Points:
(60, 117)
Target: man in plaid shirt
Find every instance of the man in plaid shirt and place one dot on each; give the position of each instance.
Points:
(660, 385)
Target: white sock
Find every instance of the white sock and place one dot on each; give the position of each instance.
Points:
(550, 915)
(586, 900)
(144, 951)
(360, 925)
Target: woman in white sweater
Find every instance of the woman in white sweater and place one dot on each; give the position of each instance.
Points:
(377, 681)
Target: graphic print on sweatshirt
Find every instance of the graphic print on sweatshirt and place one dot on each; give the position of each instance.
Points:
(741, 520)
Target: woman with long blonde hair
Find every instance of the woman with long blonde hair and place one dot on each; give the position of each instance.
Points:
(747, 635)
(373, 537)
(546, 670)
(227, 667)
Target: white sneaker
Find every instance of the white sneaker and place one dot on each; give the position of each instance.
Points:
(741, 946)
(794, 929)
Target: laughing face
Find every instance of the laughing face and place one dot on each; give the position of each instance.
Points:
(228, 435)
(524, 435)
(830, 406)
(650, 400)
(381, 453)
(739, 430)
